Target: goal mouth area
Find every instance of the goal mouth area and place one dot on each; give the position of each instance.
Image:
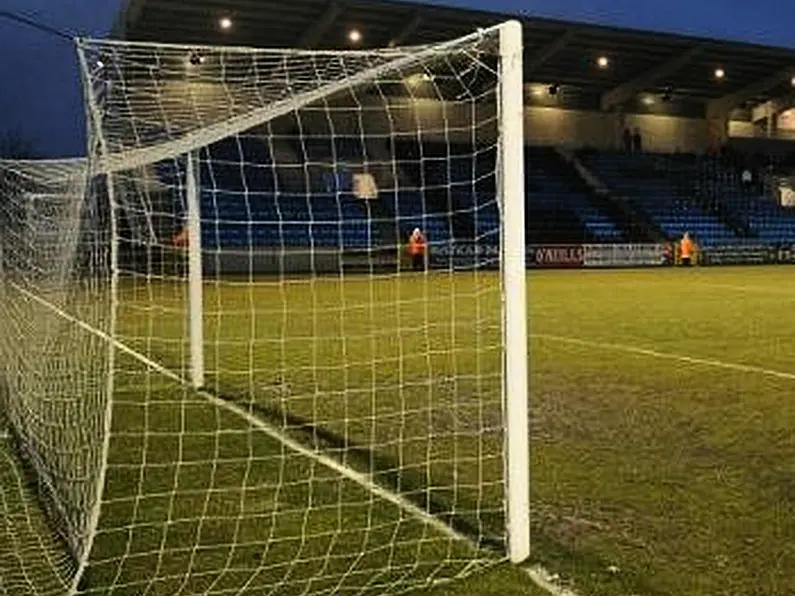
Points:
(339, 427)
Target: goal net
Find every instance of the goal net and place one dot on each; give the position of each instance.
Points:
(55, 394)
(313, 321)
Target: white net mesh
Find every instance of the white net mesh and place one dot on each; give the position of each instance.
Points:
(55, 270)
(348, 433)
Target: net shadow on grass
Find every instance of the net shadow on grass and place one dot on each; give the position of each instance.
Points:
(384, 469)
(198, 500)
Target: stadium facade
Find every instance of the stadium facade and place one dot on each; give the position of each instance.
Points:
(585, 83)
(632, 137)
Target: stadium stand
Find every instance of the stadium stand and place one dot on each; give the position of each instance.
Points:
(451, 195)
(649, 182)
(759, 214)
(559, 206)
(459, 179)
(249, 201)
(447, 187)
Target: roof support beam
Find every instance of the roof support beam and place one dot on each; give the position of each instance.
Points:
(735, 99)
(315, 33)
(407, 30)
(536, 60)
(626, 91)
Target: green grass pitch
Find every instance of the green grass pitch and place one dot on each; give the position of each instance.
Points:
(662, 438)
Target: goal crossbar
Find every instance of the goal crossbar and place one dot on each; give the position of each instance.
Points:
(207, 135)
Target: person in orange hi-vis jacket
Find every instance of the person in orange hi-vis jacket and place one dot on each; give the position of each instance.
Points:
(687, 250)
(180, 239)
(417, 248)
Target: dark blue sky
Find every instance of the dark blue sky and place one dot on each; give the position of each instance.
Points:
(40, 89)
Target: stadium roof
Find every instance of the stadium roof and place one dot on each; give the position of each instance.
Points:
(557, 52)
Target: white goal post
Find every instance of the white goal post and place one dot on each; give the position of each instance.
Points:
(511, 126)
(296, 397)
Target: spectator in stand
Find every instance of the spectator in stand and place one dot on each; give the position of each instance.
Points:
(747, 178)
(687, 250)
(417, 249)
(637, 141)
(627, 140)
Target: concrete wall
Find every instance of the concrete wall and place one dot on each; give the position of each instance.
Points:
(281, 262)
(741, 129)
(543, 125)
(786, 120)
(453, 122)
(575, 128)
(431, 119)
(572, 129)
(668, 134)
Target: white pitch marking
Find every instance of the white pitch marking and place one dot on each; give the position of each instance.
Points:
(751, 289)
(548, 582)
(747, 368)
(364, 480)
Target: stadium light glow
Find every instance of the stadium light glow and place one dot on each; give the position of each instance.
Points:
(792, 81)
(720, 73)
(225, 23)
(537, 90)
(354, 36)
(648, 100)
(603, 62)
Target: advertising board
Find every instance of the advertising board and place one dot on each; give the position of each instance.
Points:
(625, 255)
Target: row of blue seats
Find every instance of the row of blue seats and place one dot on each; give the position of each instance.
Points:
(768, 220)
(288, 235)
(645, 179)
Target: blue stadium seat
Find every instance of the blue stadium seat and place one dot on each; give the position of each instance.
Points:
(244, 219)
(649, 181)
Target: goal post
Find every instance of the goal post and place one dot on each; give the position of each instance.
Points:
(195, 271)
(288, 408)
(512, 191)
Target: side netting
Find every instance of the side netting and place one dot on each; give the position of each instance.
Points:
(305, 400)
(54, 255)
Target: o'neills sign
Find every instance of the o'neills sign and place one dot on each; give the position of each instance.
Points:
(554, 256)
